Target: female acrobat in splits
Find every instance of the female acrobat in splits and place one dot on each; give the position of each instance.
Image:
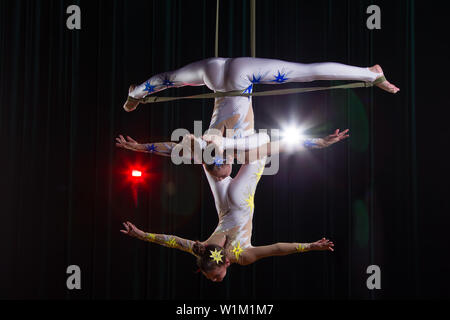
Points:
(230, 74)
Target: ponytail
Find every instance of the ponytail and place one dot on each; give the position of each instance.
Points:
(198, 249)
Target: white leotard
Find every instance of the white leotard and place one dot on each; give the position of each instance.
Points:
(234, 199)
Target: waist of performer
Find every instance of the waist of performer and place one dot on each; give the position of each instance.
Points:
(233, 218)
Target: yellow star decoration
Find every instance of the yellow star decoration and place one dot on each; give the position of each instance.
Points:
(237, 250)
(216, 255)
(250, 201)
(301, 247)
(259, 173)
(150, 236)
(171, 243)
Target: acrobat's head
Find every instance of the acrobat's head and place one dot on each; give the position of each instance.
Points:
(220, 168)
(211, 261)
(220, 171)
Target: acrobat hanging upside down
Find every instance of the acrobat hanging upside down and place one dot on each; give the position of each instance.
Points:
(234, 197)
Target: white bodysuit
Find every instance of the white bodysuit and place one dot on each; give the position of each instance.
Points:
(234, 199)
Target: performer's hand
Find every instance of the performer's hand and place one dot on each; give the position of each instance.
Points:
(131, 230)
(322, 245)
(188, 144)
(194, 145)
(333, 138)
(188, 140)
(130, 144)
(216, 140)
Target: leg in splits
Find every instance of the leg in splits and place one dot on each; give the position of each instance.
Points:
(227, 74)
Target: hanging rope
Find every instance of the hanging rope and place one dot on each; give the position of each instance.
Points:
(252, 27)
(216, 49)
(155, 99)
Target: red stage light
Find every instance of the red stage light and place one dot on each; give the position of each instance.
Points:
(137, 176)
(136, 173)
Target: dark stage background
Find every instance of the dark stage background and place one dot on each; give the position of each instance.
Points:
(64, 193)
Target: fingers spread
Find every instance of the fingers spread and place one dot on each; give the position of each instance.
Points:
(131, 139)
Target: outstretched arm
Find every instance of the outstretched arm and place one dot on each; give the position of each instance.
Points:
(258, 145)
(158, 148)
(189, 147)
(161, 239)
(284, 145)
(253, 254)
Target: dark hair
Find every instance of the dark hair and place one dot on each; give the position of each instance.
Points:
(213, 168)
(210, 167)
(204, 262)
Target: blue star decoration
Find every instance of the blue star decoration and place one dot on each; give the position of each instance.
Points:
(149, 88)
(167, 82)
(256, 80)
(218, 162)
(249, 90)
(280, 78)
(309, 143)
(151, 148)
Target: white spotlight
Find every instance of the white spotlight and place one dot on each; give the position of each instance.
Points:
(292, 135)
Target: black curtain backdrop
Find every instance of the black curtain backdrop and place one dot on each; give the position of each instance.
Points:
(64, 188)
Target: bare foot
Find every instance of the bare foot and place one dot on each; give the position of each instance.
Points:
(385, 85)
(130, 105)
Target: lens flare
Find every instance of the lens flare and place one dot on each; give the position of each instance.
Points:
(292, 135)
